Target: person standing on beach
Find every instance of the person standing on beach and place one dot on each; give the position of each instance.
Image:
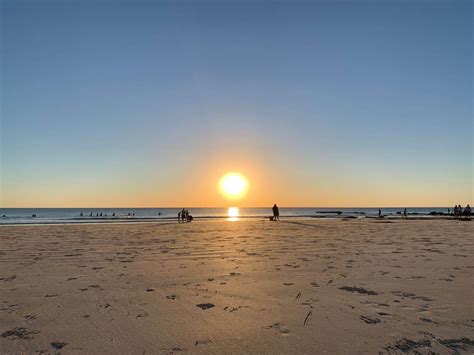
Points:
(183, 215)
(405, 213)
(276, 213)
(380, 213)
(179, 217)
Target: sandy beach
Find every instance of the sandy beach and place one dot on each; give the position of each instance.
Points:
(295, 286)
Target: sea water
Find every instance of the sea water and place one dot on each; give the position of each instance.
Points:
(73, 215)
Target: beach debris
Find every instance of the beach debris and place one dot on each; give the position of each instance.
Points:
(205, 306)
(306, 320)
(58, 345)
(19, 333)
(358, 290)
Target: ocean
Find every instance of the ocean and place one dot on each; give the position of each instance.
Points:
(109, 215)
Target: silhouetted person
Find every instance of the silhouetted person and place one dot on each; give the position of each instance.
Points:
(3, 216)
(179, 217)
(186, 216)
(33, 215)
(90, 215)
(380, 213)
(183, 215)
(467, 211)
(113, 214)
(276, 213)
(405, 213)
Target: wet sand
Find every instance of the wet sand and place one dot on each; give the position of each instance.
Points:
(295, 286)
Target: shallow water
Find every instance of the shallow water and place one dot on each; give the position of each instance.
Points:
(73, 215)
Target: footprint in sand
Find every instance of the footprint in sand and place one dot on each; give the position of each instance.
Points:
(205, 306)
(282, 329)
(19, 333)
(202, 342)
(56, 345)
(370, 320)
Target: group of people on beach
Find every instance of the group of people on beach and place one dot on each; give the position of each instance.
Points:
(458, 212)
(404, 215)
(100, 214)
(184, 216)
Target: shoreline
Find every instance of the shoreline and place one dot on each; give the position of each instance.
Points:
(138, 220)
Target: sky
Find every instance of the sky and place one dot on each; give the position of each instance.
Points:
(318, 103)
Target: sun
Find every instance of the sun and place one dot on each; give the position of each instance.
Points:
(233, 185)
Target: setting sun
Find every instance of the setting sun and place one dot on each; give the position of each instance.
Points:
(233, 185)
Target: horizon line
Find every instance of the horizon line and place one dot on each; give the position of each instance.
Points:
(180, 207)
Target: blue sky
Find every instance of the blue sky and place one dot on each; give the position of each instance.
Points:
(147, 103)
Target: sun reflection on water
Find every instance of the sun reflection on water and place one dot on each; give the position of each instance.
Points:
(233, 214)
